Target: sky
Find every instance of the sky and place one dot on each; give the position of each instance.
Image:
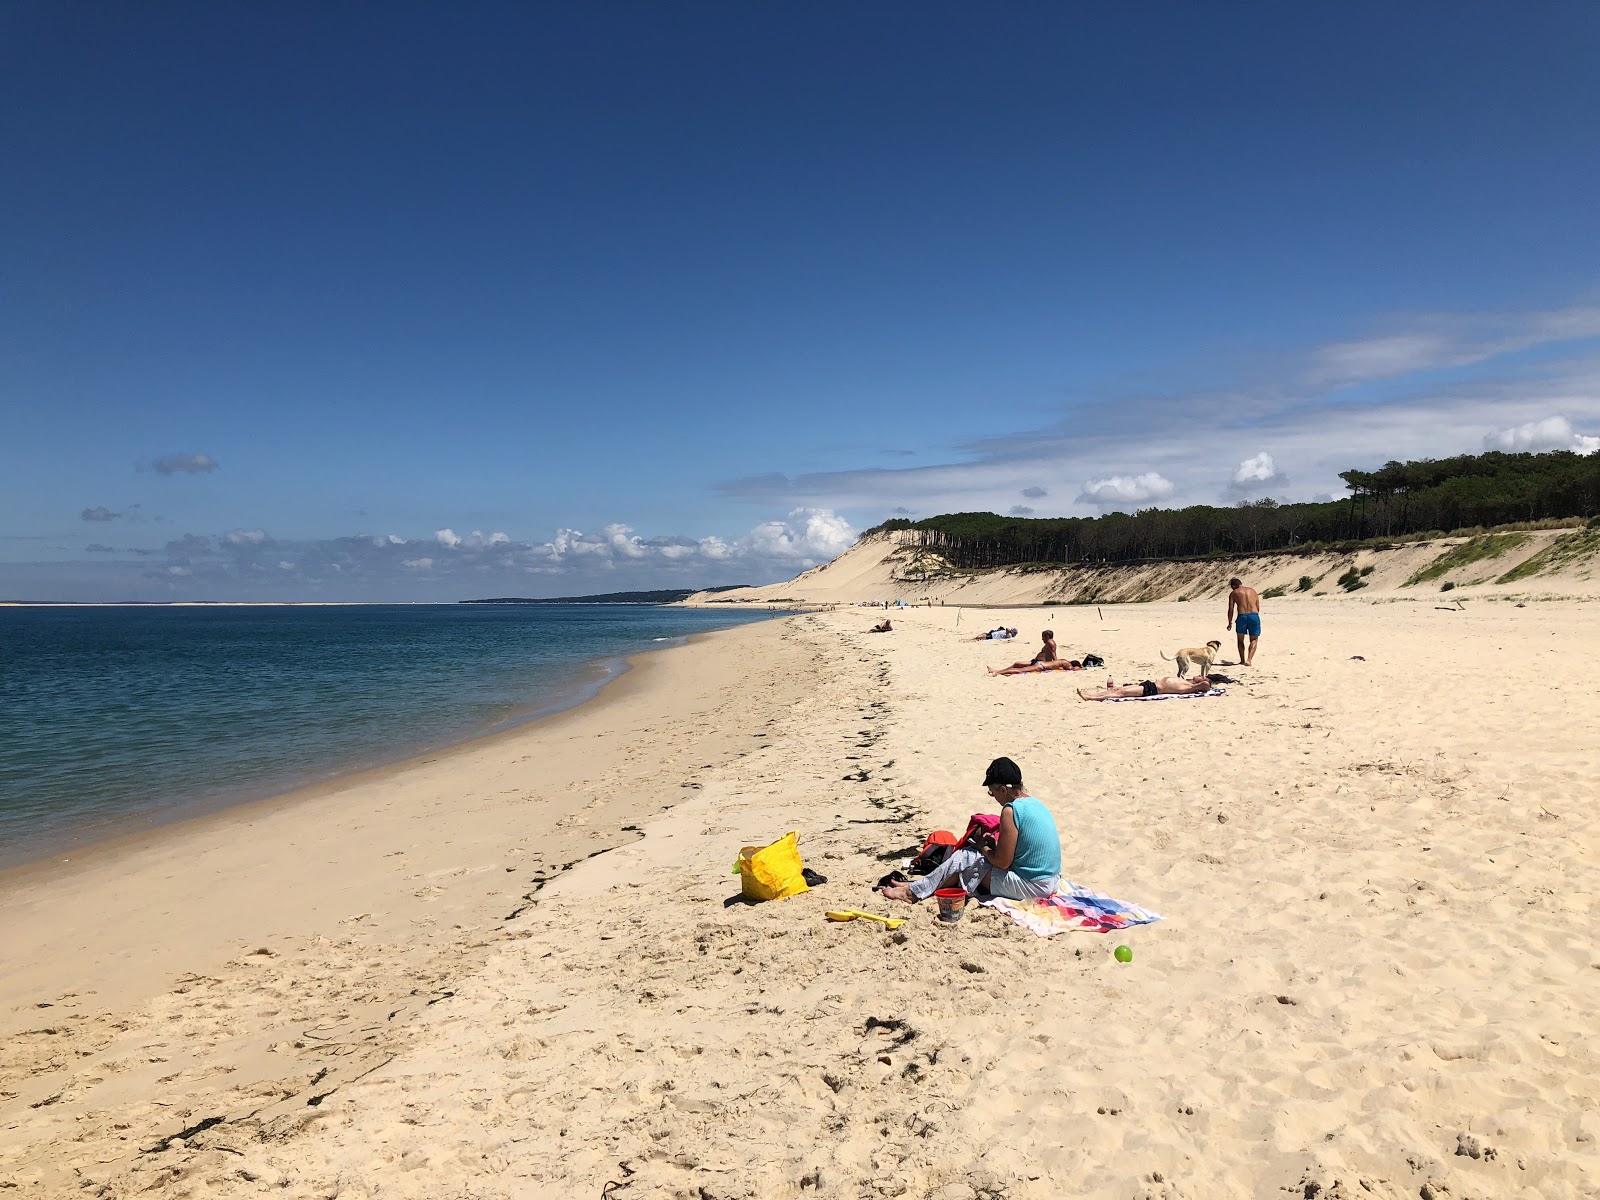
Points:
(429, 302)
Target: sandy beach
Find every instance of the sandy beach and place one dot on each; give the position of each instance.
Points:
(514, 971)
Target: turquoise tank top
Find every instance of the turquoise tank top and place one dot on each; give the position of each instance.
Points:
(1038, 853)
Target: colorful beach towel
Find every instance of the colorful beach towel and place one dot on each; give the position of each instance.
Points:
(1190, 696)
(1073, 909)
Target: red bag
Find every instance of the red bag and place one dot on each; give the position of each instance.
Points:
(934, 851)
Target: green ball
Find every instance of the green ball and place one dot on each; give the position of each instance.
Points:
(1124, 954)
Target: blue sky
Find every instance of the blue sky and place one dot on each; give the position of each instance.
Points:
(422, 301)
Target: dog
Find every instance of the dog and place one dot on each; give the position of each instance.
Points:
(1200, 657)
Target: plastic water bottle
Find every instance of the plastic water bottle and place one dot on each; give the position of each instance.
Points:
(1111, 683)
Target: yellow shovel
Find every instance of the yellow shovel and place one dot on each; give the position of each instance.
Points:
(850, 914)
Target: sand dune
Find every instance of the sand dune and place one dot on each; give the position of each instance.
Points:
(1375, 978)
(1542, 564)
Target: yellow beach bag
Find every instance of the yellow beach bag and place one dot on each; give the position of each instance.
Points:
(771, 872)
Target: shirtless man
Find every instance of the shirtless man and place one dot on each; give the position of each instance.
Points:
(1169, 686)
(1047, 652)
(1244, 617)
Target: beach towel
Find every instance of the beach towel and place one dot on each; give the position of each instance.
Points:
(1190, 696)
(1073, 909)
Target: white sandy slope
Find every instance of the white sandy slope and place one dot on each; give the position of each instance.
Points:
(1377, 975)
(890, 566)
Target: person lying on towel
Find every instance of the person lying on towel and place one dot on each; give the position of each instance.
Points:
(1020, 861)
(1170, 686)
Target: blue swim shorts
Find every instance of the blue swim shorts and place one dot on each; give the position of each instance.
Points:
(1248, 624)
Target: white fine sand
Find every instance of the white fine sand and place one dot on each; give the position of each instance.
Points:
(1378, 974)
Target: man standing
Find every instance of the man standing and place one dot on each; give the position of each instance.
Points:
(1244, 617)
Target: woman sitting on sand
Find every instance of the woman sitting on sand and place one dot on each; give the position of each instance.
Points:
(1022, 861)
(1169, 686)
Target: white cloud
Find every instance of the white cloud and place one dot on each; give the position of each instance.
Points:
(1126, 489)
(714, 549)
(245, 537)
(1256, 476)
(417, 564)
(284, 565)
(1257, 469)
(187, 464)
(177, 570)
(476, 540)
(806, 533)
(388, 539)
(1551, 433)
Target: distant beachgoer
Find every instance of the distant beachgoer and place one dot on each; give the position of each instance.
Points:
(1170, 686)
(1020, 861)
(883, 627)
(994, 635)
(1244, 601)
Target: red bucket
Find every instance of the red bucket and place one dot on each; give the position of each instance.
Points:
(952, 903)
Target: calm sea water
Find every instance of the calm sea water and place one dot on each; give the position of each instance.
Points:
(114, 718)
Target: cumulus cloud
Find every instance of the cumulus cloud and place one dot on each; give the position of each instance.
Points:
(446, 537)
(811, 534)
(417, 564)
(186, 464)
(1034, 493)
(1256, 476)
(98, 513)
(285, 565)
(1257, 469)
(1117, 490)
(245, 537)
(1020, 510)
(1551, 433)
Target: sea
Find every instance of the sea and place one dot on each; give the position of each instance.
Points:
(115, 719)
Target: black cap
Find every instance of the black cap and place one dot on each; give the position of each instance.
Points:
(1003, 772)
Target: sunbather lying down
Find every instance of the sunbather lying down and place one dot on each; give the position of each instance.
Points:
(1169, 686)
(1060, 664)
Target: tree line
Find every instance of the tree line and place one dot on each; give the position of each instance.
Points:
(1401, 499)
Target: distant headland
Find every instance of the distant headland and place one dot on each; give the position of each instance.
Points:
(660, 596)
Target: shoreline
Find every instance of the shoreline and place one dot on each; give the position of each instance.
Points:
(47, 883)
(154, 823)
(151, 820)
(589, 680)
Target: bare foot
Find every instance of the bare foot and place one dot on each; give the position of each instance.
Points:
(898, 891)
